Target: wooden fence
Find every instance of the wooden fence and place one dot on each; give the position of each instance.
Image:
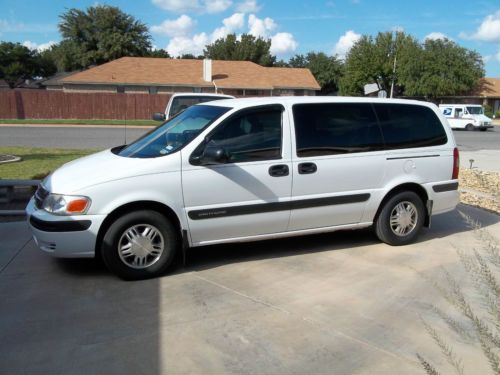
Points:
(42, 104)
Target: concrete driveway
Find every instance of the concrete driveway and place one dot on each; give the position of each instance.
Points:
(339, 303)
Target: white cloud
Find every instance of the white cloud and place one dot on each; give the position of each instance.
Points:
(248, 6)
(283, 44)
(488, 31)
(436, 36)
(398, 29)
(216, 6)
(183, 41)
(345, 43)
(181, 26)
(186, 6)
(182, 44)
(40, 47)
(260, 27)
(230, 25)
(497, 56)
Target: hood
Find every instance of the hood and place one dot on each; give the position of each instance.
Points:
(481, 118)
(103, 167)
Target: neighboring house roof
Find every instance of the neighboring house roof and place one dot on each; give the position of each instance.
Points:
(490, 87)
(185, 72)
(56, 79)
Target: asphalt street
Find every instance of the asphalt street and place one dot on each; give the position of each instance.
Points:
(105, 137)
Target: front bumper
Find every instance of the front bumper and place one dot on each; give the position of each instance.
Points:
(64, 236)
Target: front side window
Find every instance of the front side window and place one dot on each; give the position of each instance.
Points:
(175, 133)
(250, 136)
(335, 128)
(459, 112)
(407, 125)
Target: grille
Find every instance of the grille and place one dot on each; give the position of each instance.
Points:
(40, 196)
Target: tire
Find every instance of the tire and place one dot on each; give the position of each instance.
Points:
(469, 127)
(405, 202)
(148, 241)
(483, 129)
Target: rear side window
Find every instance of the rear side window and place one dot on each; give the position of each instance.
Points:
(336, 128)
(407, 126)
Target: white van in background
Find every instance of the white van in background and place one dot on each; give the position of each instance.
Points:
(179, 102)
(466, 116)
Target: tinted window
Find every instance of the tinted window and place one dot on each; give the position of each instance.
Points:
(335, 128)
(251, 136)
(406, 125)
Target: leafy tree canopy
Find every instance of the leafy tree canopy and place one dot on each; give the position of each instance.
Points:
(434, 68)
(100, 34)
(326, 69)
(18, 63)
(247, 48)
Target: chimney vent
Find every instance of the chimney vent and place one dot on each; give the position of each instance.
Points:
(207, 70)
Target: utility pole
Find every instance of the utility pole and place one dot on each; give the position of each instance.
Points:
(394, 65)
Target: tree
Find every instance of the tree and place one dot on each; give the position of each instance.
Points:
(371, 60)
(100, 34)
(326, 69)
(157, 53)
(434, 68)
(443, 68)
(18, 63)
(248, 48)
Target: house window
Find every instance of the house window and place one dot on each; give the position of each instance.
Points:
(120, 89)
(153, 90)
(197, 89)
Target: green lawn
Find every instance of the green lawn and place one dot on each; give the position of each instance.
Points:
(81, 122)
(36, 162)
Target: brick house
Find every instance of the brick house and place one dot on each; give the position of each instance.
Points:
(166, 76)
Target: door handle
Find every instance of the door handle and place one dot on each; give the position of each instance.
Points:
(307, 168)
(279, 170)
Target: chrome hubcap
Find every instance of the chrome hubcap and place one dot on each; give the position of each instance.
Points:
(403, 218)
(141, 246)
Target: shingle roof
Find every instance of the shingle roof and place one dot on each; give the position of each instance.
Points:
(490, 87)
(181, 72)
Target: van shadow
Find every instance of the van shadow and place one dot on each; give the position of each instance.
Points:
(206, 257)
(443, 225)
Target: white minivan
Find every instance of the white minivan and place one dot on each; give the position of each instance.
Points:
(251, 169)
(466, 116)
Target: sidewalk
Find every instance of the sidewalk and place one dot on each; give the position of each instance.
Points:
(485, 160)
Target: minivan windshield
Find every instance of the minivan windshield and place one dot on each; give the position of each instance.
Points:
(475, 110)
(175, 133)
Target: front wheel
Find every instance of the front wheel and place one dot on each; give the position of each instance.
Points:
(400, 219)
(139, 245)
(469, 127)
(483, 129)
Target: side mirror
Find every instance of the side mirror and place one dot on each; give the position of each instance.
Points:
(214, 155)
(158, 116)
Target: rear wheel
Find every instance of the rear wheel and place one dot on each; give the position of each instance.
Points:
(469, 127)
(483, 129)
(139, 245)
(400, 219)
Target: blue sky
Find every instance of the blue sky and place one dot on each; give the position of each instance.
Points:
(185, 26)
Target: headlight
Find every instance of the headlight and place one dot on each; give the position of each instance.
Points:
(59, 204)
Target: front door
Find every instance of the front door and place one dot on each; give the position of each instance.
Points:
(248, 194)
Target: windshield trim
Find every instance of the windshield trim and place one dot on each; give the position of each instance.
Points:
(118, 150)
